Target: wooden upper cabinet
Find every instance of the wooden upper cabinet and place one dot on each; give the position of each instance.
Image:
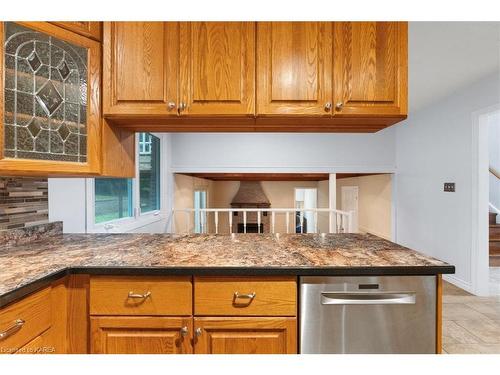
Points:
(85, 28)
(217, 68)
(294, 68)
(50, 93)
(140, 61)
(370, 65)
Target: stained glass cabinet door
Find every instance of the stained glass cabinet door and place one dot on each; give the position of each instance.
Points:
(49, 100)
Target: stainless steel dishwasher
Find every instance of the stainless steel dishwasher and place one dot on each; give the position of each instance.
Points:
(382, 314)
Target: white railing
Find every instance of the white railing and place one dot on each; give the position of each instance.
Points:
(210, 220)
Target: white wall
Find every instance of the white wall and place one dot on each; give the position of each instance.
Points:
(67, 203)
(374, 203)
(432, 147)
(260, 152)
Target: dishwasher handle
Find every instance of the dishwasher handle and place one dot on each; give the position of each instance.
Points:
(356, 298)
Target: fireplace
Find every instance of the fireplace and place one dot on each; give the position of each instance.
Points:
(250, 195)
(251, 228)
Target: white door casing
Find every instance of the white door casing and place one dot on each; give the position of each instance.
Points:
(349, 196)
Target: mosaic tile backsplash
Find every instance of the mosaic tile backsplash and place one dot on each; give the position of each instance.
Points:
(23, 202)
(45, 96)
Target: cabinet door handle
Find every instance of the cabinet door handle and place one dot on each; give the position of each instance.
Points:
(339, 106)
(184, 331)
(198, 332)
(171, 106)
(249, 296)
(18, 324)
(136, 295)
(328, 107)
(182, 107)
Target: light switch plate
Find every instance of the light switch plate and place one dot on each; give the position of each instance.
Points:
(449, 187)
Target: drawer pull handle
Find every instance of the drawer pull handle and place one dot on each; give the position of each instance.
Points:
(135, 295)
(18, 324)
(250, 296)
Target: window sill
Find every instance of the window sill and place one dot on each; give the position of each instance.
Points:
(128, 224)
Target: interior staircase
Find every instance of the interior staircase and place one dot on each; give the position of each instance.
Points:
(494, 240)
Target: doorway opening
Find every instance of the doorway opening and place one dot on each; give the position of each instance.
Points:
(486, 205)
(305, 199)
(349, 202)
(493, 124)
(200, 202)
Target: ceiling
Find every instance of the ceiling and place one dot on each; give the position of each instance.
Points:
(444, 56)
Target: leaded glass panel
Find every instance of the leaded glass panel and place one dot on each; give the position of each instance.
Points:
(45, 96)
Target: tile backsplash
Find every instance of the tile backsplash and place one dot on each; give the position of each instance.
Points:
(23, 202)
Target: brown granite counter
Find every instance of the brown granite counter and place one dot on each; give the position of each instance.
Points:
(28, 267)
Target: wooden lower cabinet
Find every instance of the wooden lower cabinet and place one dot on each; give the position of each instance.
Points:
(42, 344)
(237, 335)
(140, 335)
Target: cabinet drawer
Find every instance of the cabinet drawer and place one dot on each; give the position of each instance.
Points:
(120, 295)
(25, 320)
(245, 296)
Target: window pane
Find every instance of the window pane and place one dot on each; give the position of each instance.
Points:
(113, 199)
(45, 92)
(149, 172)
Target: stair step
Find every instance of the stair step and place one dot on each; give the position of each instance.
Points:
(492, 217)
(494, 261)
(494, 230)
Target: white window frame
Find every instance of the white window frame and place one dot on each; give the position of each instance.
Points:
(138, 219)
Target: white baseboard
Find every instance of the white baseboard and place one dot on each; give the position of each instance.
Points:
(459, 283)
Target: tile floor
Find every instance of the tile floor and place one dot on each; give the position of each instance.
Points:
(471, 324)
(494, 280)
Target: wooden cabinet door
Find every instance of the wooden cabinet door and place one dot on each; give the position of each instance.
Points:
(370, 65)
(245, 335)
(140, 61)
(85, 28)
(294, 68)
(49, 101)
(217, 68)
(140, 335)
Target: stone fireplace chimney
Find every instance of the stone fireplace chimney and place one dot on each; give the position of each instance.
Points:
(250, 195)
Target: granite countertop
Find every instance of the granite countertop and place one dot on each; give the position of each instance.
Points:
(30, 266)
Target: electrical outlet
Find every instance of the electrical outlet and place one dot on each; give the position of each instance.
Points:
(449, 187)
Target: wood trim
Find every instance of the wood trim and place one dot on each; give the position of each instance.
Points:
(213, 124)
(494, 172)
(351, 175)
(260, 176)
(439, 314)
(91, 30)
(78, 314)
(60, 318)
(118, 151)
(31, 167)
